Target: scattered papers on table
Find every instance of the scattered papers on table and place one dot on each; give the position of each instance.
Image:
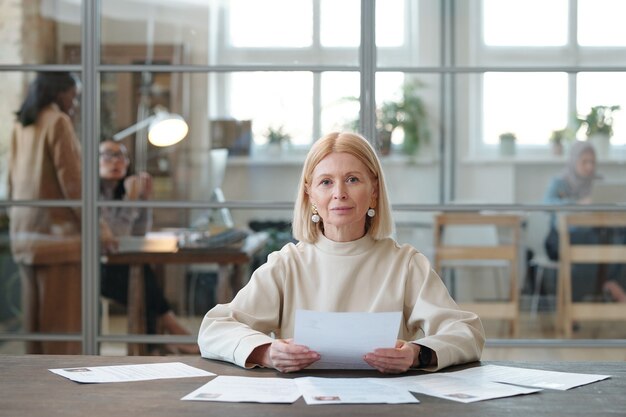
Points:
(450, 387)
(351, 391)
(529, 377)
(246, 389)
(127, 373)
(342, 339)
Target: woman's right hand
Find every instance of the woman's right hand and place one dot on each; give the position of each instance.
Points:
(138, 187)
(284, 356)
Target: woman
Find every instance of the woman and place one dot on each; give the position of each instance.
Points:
(44, 163)
(116, 184)
(573, 186)
(345, 261)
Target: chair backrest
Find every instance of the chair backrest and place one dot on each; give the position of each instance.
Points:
(585, 253)
(478, 243)
(475, 236)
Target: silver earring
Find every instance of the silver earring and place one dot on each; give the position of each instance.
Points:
(371, 212)
(315, 218)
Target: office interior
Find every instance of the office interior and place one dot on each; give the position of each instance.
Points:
(435, 85)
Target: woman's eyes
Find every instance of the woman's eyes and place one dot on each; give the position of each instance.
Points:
(351, 179)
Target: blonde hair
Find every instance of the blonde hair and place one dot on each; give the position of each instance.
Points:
(378, 227)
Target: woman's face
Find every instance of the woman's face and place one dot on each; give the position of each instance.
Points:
(113, 161)
(342, 190)
(68, 100)
(586, 164)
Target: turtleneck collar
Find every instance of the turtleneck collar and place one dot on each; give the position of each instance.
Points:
(355, 247)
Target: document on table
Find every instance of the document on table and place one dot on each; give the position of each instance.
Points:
(342, 339)
(529, 377)
(453, 388)
(127, 373)
(351, 391)
(246, 389)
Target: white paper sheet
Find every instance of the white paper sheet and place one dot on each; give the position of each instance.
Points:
(127, 373)
(246, 389)
(342, 339)
(530, 377)
(453, 388)
(351, 391)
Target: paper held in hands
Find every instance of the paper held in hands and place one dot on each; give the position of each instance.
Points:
(342, 339)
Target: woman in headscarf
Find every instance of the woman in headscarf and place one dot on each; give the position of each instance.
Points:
(573, 186)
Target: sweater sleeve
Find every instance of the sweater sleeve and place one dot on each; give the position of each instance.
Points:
(455, 335)
(230, 332)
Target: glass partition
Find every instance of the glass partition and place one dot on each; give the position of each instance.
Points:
(468, 111)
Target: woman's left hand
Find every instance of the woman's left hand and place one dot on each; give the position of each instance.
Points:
(393, 360)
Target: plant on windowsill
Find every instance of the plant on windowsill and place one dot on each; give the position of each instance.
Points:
(598, 125)
(507, 143)
(277, 139)
(559, 138)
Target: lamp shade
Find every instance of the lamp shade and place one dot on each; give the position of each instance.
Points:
(164, 129)
(167, 129)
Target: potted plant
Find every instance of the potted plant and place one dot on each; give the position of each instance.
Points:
(277, 139)
(558, 139)
(408, 114)
(507, 143)
(598, 125)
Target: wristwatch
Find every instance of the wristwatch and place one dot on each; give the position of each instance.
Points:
(424, 356)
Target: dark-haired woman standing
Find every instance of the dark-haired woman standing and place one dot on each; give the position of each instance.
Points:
(45, 241)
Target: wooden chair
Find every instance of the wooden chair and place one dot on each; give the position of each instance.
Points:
(447, 255)
(568, 310)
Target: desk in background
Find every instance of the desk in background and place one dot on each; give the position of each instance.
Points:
(229, 282)
(27, 388)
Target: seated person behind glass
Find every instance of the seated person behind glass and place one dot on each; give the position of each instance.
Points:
(345, 261)
(116, 184)
(573, 186)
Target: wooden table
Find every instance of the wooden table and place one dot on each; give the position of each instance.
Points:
(229, 282)
(27, 388)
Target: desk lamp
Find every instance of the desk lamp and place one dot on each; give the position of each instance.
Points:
(164, 128)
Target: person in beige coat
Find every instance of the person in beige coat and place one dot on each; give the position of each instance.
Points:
(44, 164)
(345, 261)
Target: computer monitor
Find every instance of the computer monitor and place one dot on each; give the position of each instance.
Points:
(608, 192)
(220, 217)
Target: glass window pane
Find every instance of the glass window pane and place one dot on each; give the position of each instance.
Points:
(36, 32)
(234, 32)
(340, 101)
(41, 276)
(274, 99)
(408, 33)
(600, 23)
(509, 22)
(390, 24)
(407, 109)
(29, 151)
(271, 23)
(340, 23)
(530, 105)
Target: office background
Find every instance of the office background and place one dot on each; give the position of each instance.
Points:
(242, 72)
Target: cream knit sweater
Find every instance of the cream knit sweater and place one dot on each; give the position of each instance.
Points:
(365, 275)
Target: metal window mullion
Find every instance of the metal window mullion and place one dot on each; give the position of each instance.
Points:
(89, 134)
(367, 64)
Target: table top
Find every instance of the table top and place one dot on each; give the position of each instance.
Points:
(27, 388)
(222, 255)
